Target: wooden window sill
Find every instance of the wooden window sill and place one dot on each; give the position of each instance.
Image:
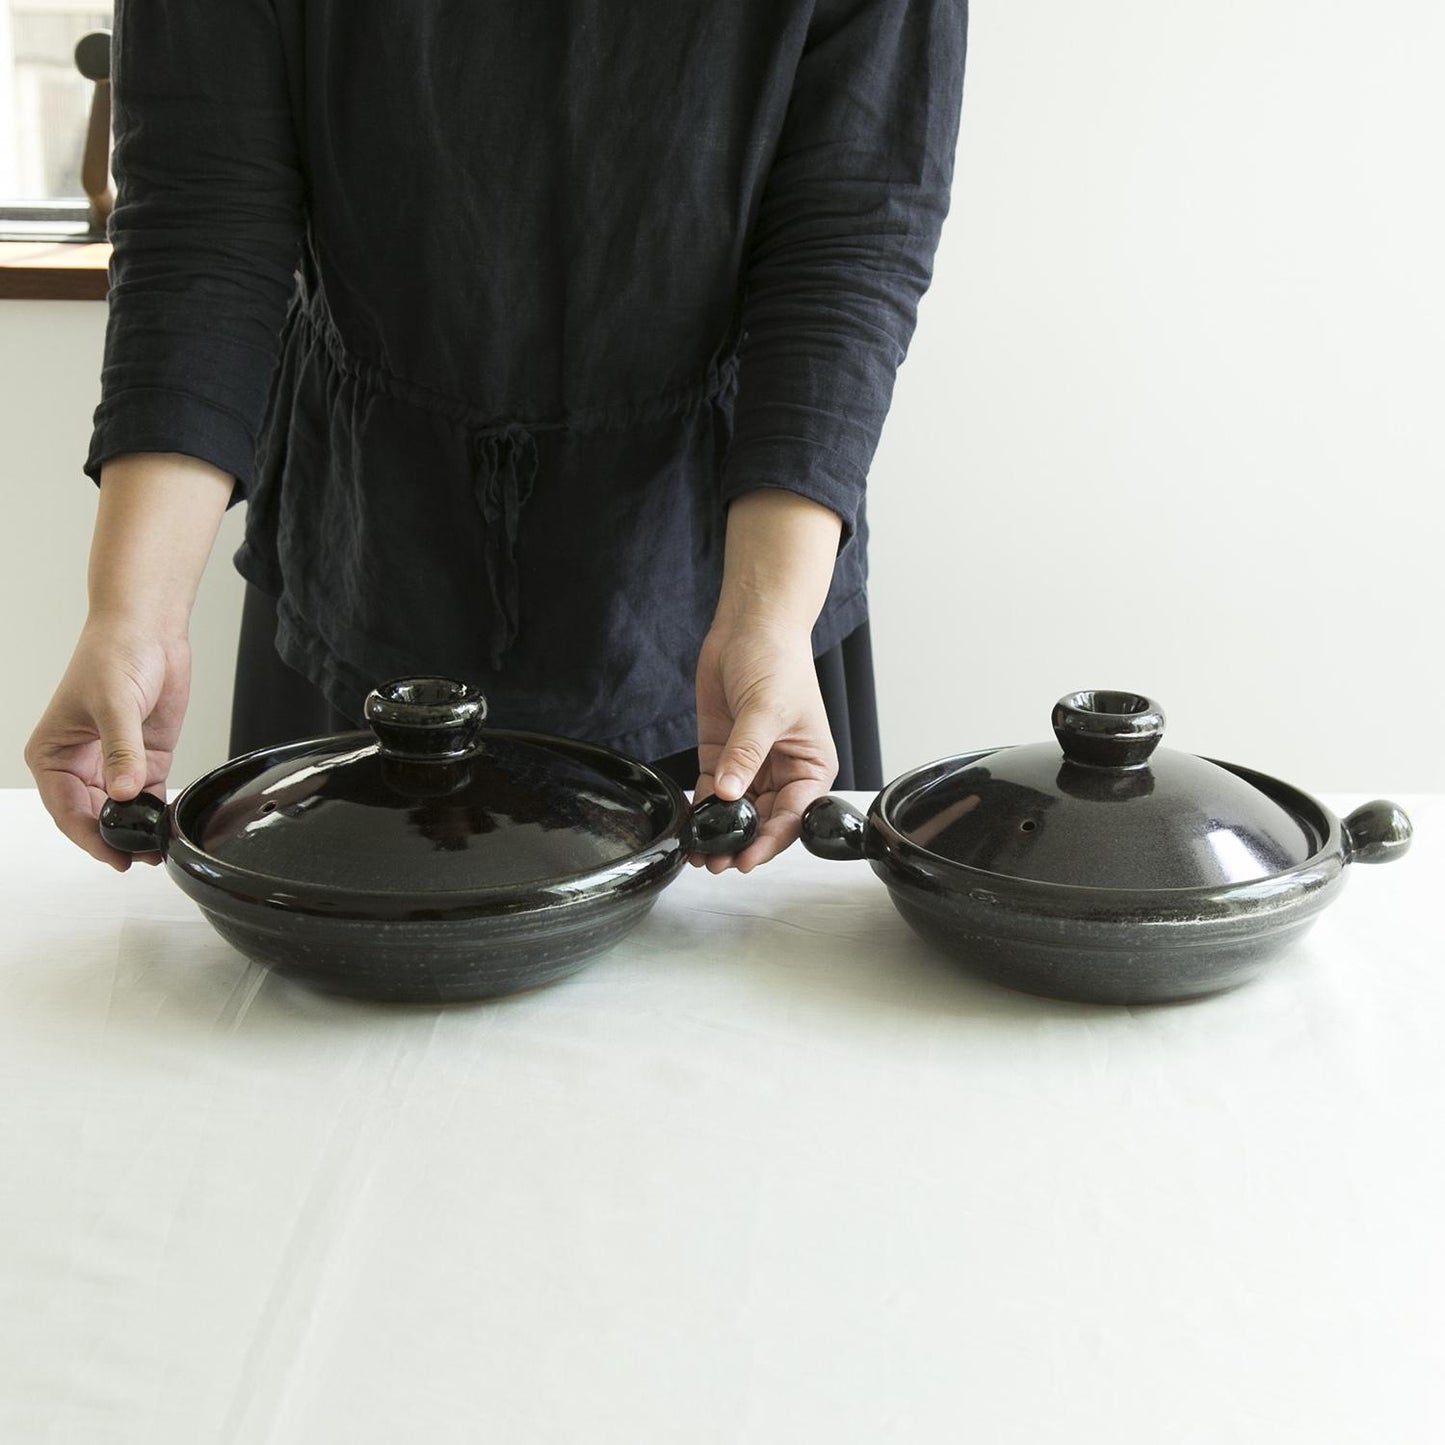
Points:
(54, 270)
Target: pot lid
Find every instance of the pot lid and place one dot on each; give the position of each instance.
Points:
(432, 803)
(1105, 807)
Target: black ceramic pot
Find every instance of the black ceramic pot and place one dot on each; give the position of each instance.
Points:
(432, 859)
(1100, 869)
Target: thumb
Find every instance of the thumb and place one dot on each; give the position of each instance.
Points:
(122, 750)
(746, 750)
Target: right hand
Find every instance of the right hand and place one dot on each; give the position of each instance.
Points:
(111, 728)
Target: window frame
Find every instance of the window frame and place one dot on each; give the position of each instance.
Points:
(59, 220)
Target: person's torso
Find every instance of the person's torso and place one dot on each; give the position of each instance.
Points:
(540, 207)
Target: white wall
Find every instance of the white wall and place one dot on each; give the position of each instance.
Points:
(1172, 421)
(49, 369)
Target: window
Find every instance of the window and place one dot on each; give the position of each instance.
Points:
(44, 115)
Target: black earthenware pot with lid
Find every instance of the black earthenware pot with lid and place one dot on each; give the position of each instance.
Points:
(1102, 867)
(432, 859)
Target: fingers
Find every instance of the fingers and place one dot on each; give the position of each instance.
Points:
(762, 732)
(781, 815)
(74, 808)
(742, 756)
(111, 727)
(777, 833)
(782, 822)
(122, 748)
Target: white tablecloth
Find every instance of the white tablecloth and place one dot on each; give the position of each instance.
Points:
(768, 1172)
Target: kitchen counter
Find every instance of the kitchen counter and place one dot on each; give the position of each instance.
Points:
(767, 1172)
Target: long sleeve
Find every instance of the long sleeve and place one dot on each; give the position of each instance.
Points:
(206, 230)
(843, 246)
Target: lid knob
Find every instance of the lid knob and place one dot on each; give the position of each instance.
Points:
(426, 719)
(1108, 729)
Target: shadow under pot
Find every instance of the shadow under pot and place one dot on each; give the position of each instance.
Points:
(431, 859)
(1101, 867)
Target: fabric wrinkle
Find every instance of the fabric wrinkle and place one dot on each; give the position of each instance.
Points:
(548, 329)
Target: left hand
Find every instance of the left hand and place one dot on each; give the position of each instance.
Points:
(762, 730)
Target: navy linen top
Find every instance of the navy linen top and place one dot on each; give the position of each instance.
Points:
(490, 308)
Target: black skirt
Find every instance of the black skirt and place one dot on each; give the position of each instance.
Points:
(273, 703)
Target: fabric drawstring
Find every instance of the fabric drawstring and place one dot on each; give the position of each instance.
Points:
(504, 468)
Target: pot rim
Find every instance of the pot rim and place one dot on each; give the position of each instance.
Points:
(208, 878)
(1307, 874)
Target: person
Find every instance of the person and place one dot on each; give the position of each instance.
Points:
(549, 347)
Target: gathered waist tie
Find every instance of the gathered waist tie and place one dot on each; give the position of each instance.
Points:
(503, 454)
(504, 469)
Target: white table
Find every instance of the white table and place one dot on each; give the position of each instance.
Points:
(768, 1172)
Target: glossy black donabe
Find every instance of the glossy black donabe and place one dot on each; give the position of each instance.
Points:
(1104, 867)
(438, 859)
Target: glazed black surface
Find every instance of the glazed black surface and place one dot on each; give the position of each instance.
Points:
(518, 810)
(426, 718)
(1103, 807)
(1129, 879)
(408, 870)
(1107, 945)
(1175, 822)
(834, 829)
(1108, 729)
(429, 960)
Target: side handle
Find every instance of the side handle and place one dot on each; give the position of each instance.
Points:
(716, 827)
(137, 826)
(1377, 832)
(834, 829)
